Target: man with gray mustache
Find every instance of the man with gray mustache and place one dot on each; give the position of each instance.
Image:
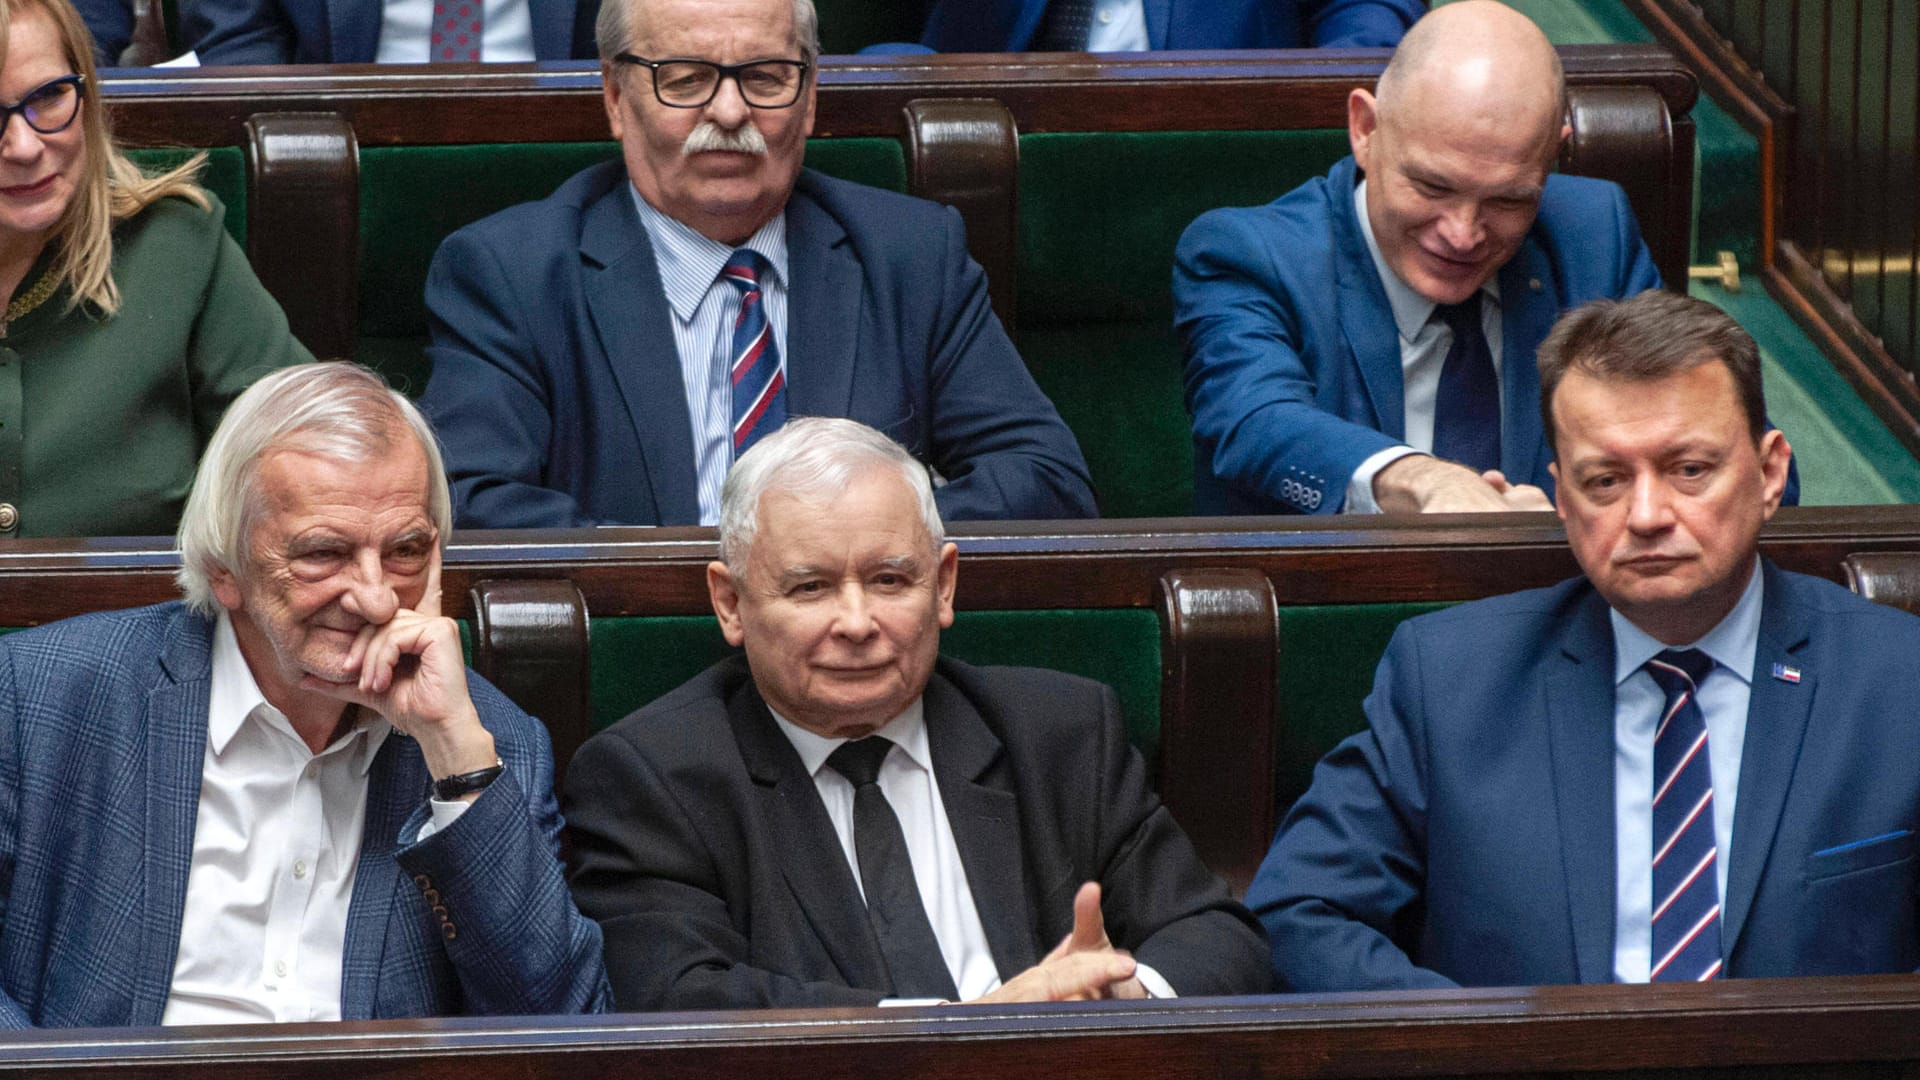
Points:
(603, 355)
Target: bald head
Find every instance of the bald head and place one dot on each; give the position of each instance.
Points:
(1478, 60)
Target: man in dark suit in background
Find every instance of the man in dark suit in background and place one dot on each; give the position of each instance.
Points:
(601, 356)
(1134, 25)
(841, 816)
(386, 31)
(1686, 765)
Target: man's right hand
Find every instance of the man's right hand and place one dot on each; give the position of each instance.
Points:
(1083, 967)
(1420, 484)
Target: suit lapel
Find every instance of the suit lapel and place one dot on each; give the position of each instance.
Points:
(176, 734)
(1366, 316)
(1777, 715)
(985, 818)
(354, 29)
(1580, 730)
(823, 310)
(811, 859)
(629, 311)
(395, 789)
(1159, 14)
(1528, 310)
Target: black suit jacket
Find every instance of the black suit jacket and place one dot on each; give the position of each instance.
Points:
(701, 845)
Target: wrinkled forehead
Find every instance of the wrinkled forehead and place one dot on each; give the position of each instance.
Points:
(712, 29)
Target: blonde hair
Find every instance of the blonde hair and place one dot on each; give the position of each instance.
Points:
(110, 187)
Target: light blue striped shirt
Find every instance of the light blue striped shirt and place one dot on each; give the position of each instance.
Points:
(704, 308)
(1637, 704)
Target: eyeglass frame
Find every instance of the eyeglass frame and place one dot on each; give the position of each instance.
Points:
(19, 108)
(726, 71)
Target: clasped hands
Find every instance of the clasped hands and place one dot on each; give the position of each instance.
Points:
(1419, 484)
(1083, 967)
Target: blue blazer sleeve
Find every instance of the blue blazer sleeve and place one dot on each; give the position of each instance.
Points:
(1350, 24)
(1348, 868)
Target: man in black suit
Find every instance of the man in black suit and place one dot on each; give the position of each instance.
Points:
(841, 817)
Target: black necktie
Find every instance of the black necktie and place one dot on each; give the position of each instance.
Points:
(894, 909)
(1064, 27)
(1466, 411)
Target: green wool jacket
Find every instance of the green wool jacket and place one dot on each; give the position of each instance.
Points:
(102, 420)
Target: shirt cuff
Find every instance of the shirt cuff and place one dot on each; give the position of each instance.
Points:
(896, 1003)
(442, 814)
(1360, 488)
(1156, 985)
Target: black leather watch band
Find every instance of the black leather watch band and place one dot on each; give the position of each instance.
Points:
(463, 783)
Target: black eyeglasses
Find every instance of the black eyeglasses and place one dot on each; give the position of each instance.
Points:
(48, 108)
(690, 84)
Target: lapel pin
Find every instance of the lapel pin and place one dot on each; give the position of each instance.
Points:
(1534, 284)
(1786, 674)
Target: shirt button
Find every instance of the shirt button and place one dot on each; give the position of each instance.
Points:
(1106, 15)
(313, 770)
(280, 968)
(299, 869)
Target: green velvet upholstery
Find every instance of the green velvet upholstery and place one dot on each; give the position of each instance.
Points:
(405, 213)
(225, 174)
(635, 660)
(1099, 217)
(1327, 657)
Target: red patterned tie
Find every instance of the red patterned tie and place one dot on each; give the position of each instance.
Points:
(456, 31)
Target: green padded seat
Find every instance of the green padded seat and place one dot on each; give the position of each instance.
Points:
(405, 214)
(637, 659)
(225, 174)
(1100, 215)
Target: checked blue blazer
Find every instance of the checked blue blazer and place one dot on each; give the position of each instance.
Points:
(103, 723)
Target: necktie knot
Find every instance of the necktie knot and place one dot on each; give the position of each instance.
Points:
(859, 759)
(1461, 317)
(744, 268)
(1680, 669)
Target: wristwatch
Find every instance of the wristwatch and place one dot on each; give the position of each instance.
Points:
(468, 782)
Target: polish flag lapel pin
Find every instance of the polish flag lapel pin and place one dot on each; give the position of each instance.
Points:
(1786, 674)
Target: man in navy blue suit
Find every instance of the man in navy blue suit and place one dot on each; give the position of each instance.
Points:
(286, 798)
(385, 31)
(1365, 342)
(1133, 25)
(1679, 766)
(602, 355)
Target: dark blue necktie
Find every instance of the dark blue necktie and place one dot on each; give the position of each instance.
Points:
(1686, 887)
(759, 378)
(1466, 412)
(894, 909)
(1064, 27)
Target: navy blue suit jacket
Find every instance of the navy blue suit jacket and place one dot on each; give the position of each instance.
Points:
(1009, 25)
(347, 31)
(111, 23)
(557, 392)
(103, 731)
(1467, 836)
(1293, 361)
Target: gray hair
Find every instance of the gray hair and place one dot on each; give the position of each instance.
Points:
(813, 459)
(337, 410)
(613, 29)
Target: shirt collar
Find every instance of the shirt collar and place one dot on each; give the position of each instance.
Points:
(1410, 310)
(1732, 642)
(234, 698)
(908, 731)
(689, 263)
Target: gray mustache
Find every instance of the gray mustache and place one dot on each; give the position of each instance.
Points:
(709, 136)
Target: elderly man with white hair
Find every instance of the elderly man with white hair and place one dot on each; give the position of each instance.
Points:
(284, 798)
(843, 817)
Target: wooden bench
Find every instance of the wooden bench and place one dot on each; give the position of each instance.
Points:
(1268, 631)
(1075, 179)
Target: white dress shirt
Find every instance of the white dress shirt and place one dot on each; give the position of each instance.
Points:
(406, 28)
(704, 308)
(1118, 26)
(276, 843)
(907, 780)
(1638, 703)
(1423, 353)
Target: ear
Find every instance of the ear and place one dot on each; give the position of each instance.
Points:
(947, 576)
(610, 91)
(226, 587)
(1775, 455)
(1559, 490)
(726, 602)
(1363, 119)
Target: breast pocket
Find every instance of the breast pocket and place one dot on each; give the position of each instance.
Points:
(1860, 908)
(1871, 853)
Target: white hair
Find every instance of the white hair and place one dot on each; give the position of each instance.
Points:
(813, 459)
(337, 410)
(613, 29)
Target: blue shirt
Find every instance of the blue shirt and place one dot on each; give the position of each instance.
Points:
(1637, 704)
(704, 309)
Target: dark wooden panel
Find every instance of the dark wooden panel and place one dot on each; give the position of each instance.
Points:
(1828, 1028)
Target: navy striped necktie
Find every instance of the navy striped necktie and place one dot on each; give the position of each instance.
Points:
(1686, 887)
(759, 377)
